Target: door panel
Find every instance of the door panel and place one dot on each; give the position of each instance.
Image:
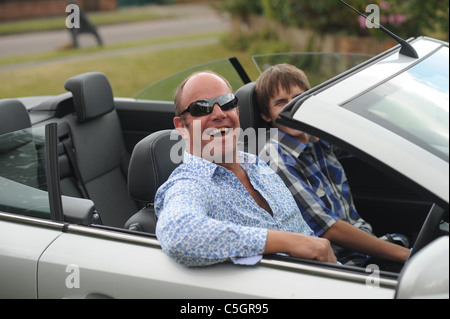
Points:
(77, 266)
(21, 245)
(89, 263)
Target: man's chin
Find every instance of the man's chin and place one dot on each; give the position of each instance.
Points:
(220, 153)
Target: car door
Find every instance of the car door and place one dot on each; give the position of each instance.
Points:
(26, 229)
(87, 262)
(22, 242)
(91, 263)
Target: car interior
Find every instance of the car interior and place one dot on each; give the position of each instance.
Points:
(116, 153)
(21, 155)
(14, 117)
(99, 147)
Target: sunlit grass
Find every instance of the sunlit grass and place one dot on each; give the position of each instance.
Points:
(63, 53)
(128, 73)
(100, 18)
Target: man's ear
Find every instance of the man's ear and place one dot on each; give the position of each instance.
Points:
(181, 127)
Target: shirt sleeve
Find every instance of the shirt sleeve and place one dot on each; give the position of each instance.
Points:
(191, 237)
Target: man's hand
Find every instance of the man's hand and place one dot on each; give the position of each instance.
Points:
(298, 245)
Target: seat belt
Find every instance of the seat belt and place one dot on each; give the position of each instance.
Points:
(73, 161)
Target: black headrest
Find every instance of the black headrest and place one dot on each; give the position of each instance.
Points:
(13, 116)
(92, 95)
(154, 158)
(248, 107)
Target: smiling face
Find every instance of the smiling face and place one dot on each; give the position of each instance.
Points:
(276, 105)
(211, 136)
(276, 87)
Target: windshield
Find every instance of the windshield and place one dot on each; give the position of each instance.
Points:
(319, 67)
(164, 90)
(23, 186)
(414, 104)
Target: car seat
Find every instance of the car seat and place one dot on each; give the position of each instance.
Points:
(99, 147)
(13, 116)
(18, 153)
(153, 160)
(254, 127)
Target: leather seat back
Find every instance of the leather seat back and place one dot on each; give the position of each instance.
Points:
(254, 127)
(99, 147)
(153, 160)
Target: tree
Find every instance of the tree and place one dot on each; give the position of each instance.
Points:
(407, 18)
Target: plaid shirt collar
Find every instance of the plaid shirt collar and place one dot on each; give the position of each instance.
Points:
(294, 147)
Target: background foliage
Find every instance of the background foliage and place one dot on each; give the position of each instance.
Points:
(407, 18)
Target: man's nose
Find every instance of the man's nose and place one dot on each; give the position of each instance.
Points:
(218, 113)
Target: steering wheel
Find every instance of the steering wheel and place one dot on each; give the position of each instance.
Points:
(430, 228)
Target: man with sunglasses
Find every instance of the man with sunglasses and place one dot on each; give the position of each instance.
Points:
(220, 203)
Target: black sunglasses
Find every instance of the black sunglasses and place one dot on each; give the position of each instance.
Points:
(206, 106)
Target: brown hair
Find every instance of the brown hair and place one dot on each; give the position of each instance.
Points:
(284, 75)
(179, 91)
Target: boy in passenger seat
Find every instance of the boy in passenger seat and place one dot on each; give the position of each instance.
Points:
(316, 179)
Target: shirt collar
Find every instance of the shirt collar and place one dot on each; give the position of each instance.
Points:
(295, 147)
(202, 167)
(207, 169)
(290, 144)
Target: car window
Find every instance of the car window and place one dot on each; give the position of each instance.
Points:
(319, 67)
(414, 104)
(164, 90)
(23, 186)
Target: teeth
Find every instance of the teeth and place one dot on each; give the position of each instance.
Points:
(218, 131)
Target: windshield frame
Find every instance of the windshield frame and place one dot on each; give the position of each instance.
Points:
(312, 63)
(361, 103)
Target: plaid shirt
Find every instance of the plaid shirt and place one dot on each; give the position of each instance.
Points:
(319, 185)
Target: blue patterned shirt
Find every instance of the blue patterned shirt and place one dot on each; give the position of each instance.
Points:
(206, 216)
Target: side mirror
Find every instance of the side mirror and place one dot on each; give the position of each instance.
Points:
(426, 275)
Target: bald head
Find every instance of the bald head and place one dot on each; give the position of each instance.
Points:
(200, 85)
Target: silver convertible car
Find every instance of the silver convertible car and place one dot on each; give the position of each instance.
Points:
(79, 172)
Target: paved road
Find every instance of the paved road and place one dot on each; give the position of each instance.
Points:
(187, 19)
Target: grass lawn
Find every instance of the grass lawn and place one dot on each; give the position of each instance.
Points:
(97, 18)
(128, 73)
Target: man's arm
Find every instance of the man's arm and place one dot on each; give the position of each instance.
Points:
(299, 245)
(347, 236)
(192, 238)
